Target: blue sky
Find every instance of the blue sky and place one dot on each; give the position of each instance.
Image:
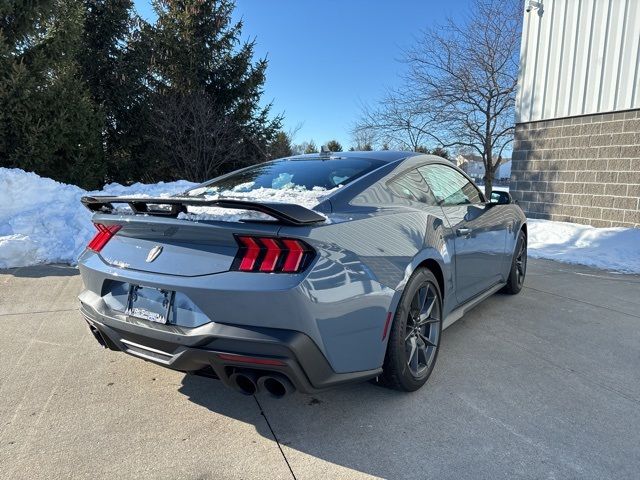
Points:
(326, 58)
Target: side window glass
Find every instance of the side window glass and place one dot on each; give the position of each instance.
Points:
(411, 185)
(449, 186)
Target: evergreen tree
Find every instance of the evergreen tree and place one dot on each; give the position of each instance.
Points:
(114, 60)
(50, 124)
(281, 146)
(89, 92)
(310, 147)
(440, 152)
(207, 117)
(334, 146)
(20, 29)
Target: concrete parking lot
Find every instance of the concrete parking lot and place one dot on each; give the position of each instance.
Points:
(545, 384)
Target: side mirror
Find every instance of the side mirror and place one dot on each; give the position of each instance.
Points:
(500, 197)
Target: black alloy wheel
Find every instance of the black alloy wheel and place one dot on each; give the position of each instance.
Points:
(414, 338)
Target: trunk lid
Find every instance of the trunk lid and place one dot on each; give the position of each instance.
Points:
(174, 246)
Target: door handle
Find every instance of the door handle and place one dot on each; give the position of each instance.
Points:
(463, 232)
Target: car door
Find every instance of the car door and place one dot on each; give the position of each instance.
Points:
(478, 232)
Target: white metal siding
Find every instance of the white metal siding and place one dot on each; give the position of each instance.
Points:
(579, 57)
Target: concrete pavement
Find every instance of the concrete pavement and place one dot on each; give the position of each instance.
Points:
(545, 384)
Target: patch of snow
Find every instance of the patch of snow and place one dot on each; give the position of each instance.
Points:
(43, 221)
(606, 248)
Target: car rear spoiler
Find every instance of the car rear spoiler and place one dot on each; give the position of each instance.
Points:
(288, 213)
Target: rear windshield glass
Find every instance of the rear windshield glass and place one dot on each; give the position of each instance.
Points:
(292, 174)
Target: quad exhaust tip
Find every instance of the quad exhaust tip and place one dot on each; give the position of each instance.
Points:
(245, 382)
(278, 386)
(249, 382)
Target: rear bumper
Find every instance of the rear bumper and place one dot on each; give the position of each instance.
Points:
(197, 350)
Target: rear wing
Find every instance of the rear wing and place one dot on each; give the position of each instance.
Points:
(287, 213)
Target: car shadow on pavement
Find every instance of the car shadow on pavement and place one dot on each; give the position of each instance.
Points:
(362, 427)
(41, 271)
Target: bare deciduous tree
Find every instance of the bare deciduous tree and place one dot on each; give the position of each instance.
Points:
(197, 136)
(461, 85)
(305, 147)
(394, 121)
(363, 139)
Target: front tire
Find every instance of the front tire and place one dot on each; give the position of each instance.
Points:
(518, 266)
(414, 339)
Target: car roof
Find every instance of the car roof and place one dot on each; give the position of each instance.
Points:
(386, 156)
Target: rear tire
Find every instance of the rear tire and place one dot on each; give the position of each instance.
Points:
(414, 338)
(518, 266)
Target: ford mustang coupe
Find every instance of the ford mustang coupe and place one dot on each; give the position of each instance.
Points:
(301, 273)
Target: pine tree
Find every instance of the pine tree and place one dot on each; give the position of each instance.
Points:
(89, 92)
(334, 146)
(207, 116)
(440, 152)
(281, 146)
(50, 124)
(310, 147)
(20, 29)
(114, 61)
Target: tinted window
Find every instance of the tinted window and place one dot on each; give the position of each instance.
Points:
(411, 185)
(449, 186)
(283, 174)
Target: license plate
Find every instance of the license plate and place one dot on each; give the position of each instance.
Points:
(148, 303)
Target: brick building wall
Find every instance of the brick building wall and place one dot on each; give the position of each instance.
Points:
(581, 169)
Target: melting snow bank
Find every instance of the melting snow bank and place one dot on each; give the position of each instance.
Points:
(43, 221)
(606, 248)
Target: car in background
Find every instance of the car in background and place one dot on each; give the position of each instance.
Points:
(313, 271)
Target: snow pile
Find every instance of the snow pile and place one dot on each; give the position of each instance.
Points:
(606, 248)
(43, 221)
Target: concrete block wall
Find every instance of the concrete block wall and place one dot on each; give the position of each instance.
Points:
(582, 169)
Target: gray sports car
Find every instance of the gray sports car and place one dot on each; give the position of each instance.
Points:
(289, 297)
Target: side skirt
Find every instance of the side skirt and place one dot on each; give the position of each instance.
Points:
(462, 309)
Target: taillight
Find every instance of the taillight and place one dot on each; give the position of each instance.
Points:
(105, 232)
(272, 255)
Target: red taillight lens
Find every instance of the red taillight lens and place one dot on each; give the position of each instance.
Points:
(296, 254)
(105, 232)
(272, 255)
(251, 250)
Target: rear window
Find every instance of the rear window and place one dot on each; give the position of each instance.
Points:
(292, 174)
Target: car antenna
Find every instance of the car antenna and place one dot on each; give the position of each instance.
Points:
(325, 152)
